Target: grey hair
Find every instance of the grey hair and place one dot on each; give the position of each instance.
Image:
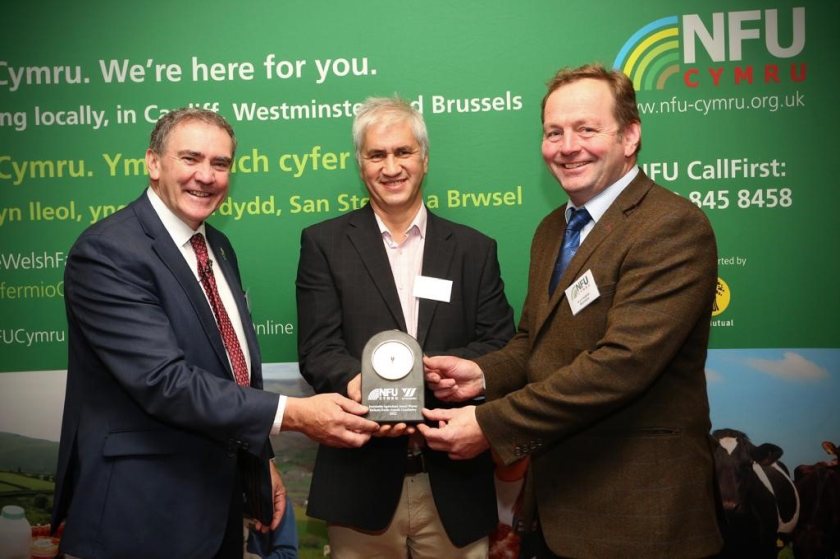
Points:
(387, 111)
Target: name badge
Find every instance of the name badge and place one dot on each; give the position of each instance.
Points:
(432, 288)
(582, 292)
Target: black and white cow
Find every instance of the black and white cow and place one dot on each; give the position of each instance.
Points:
(758, 499)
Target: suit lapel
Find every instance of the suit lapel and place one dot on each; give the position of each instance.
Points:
(437, 260)
(546, 249)
(364, 234)
(612, 220)
(170, 255)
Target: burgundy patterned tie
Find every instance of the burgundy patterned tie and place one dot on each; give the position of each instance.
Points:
(208, 281)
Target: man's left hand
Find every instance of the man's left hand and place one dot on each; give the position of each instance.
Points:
(458, 433)
(278, 490)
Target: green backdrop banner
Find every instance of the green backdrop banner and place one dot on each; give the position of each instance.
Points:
(737, 101)
(739, 113)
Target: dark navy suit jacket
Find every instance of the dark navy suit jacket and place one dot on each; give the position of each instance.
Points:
(155, 430)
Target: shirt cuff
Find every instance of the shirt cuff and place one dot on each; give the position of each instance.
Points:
(278, 415)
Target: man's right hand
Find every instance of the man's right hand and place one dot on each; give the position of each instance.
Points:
(354, 391)
(330, 419)
(453, 379)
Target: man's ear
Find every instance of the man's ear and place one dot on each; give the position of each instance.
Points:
(630, 137)
(153, 164)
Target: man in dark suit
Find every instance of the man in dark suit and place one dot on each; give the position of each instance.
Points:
(165, 424)
(603, 387)
(391, 265)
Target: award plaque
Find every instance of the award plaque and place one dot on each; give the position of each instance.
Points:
(392, 378)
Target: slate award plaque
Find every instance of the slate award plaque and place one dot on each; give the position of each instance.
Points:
(392, 378)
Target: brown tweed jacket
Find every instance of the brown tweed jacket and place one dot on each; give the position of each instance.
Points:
(611, 404)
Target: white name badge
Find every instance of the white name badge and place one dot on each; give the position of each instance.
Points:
(432, 288)
(582, 292)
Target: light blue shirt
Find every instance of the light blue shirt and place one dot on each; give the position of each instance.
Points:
(599, 204)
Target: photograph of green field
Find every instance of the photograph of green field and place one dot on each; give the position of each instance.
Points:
(33, 492)
(27, 473)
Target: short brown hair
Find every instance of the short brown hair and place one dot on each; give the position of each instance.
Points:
(625, 109)
(168, 122)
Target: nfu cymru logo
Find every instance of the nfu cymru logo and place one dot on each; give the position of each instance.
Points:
(383, 394)
(665, 51)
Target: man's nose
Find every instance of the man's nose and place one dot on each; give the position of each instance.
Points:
(391, 166)
(569, 143)
(205, 173)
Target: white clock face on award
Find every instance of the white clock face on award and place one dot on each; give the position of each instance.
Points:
(392, 360)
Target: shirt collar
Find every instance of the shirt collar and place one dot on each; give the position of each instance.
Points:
(420, 220)
(177, 229)
(599, 205)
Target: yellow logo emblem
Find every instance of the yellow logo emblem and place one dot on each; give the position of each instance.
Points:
(722, 297)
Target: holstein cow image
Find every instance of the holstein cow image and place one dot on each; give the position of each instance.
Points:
(817, 536)
(758, 498)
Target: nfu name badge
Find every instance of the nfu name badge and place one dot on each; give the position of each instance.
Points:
(392, 378)
(582, 292)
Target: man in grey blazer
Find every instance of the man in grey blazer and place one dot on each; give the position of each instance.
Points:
(165, 422)
(603, 387)
(358, 276)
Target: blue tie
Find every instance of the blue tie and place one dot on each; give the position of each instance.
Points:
(571, 242)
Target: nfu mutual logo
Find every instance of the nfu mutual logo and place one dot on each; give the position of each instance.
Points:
(665, 52)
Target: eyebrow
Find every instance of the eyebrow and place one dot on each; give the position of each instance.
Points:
(197, 154)
(406, 147)
(588, 121)
(189, 153)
